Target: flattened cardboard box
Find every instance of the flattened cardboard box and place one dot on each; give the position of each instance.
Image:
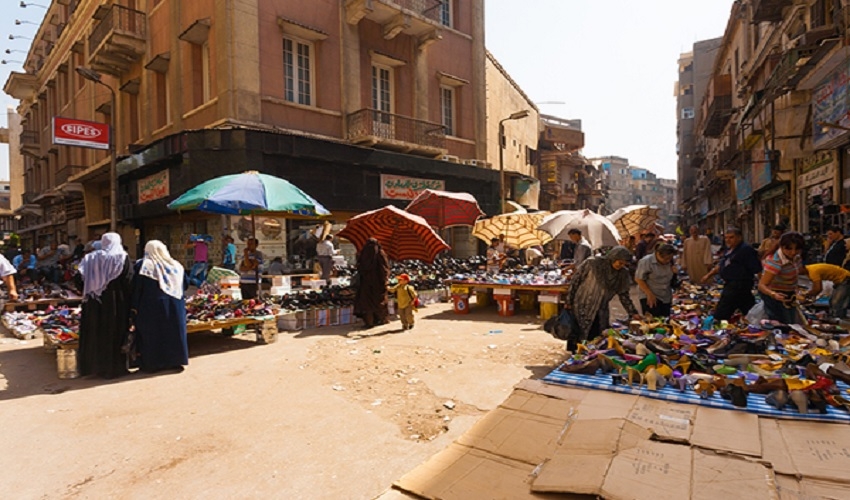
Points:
(726, 430)
(791, 488)
(812, 450)
(668, 421)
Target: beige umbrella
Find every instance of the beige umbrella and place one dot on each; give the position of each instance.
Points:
(598, 230)
(633, 219)
(520, 229)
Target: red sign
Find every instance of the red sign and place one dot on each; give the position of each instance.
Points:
(71, 132)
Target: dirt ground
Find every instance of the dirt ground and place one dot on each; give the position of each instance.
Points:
(325, 413)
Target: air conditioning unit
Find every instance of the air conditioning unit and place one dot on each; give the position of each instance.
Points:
(450, 158)
(475, 163)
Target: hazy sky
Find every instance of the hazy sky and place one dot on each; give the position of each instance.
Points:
(612, 62)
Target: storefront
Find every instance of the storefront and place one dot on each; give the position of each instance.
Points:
(817, 184)
(346, 179)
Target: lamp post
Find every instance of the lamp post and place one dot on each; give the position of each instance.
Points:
(24, 5)
(94, 76)
(514, 116)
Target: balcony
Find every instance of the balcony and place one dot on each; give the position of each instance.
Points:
(769, 10)
(795, 64)
(418, 18)
(21, 86)
(118, 40)
(719, 101)
(561, 136)
(65, 173)
(370, 127)
(31, 143)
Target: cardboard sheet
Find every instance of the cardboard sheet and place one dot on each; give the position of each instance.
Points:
(554, 391)
(790, 488)
(537, 404)
(818, 451)
(461, 473)
(599, 405)
(668, 421)
(773, 449)
(725, 430)
(516, 435)
(726, 476)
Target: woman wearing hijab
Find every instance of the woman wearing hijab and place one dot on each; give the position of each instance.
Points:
(159, 310)
(594, 284)
(373, 267)
(104, 321)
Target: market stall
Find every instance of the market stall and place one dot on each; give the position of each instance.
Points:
(509, 296)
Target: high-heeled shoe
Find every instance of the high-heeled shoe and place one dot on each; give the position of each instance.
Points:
(704, 389)
(777, 399)
(654, 380)
(764, 386)
(583, 368)
(736, 394)
(817, 401)
(800, 400)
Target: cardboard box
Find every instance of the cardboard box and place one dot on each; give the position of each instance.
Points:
(726, 430)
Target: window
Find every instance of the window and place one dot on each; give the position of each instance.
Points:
(446, 13)
(133, 104)
(382, 88)
(200, 74)
(162, 100)
(687, 113)
(297, 67)
(447, 107)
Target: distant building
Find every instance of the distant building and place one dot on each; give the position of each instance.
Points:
(617, 176)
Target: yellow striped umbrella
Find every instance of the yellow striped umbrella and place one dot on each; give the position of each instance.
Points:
(520, 229)
(633, 219)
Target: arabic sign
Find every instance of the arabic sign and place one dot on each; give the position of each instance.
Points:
(153, 187)
(831, 104)
(395, 187)
(744, 184)
(71, 132)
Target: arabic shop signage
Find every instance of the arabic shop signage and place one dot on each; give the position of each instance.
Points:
(744, 184)
(153, 187)
(830, 104)
(395, 187)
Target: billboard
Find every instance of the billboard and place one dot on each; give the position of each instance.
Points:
(72, 132)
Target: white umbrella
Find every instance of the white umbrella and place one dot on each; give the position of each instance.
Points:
(598, 230)
(633, 219)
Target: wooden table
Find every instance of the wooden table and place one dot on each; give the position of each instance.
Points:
(564, 288)
(266, 326)
(31, 305)
(464, 288)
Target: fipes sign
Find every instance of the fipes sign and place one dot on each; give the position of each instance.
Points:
(72, 132)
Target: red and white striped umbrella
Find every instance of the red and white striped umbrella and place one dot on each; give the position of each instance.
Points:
(445, 209)
(401, 234)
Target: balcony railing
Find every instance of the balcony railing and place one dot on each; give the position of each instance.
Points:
(377, 128)
(719, 100)
(429, 9)
(118, 40)
(30, 138)
(411, 17)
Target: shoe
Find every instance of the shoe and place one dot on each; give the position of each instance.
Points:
(654, 380)
(765, 386)
(800, 401)
(838, 374)
(777, 399)
(585, 368)
(817, 401)
(704, 389)
(737, 395)
(659, 347)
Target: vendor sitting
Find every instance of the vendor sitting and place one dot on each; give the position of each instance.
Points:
(495, 258)
(840, 298)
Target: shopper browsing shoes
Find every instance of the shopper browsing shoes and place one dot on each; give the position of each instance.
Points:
(778, 283)
(405, 300)
(654, 276)
(738, 267)
(840, 278)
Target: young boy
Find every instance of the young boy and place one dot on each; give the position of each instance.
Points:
(405, 298)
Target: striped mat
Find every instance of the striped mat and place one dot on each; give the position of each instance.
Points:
(755, 402)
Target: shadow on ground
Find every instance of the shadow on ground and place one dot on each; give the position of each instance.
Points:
(30, 369)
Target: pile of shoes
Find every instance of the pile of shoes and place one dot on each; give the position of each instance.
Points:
(793, 368)
(202, 307)
(61, 324)
(35, 291)
(324, 298)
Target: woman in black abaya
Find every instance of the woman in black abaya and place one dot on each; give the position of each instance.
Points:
(105, 312)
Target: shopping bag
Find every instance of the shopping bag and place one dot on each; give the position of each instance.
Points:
(756, 314)
(560, 326)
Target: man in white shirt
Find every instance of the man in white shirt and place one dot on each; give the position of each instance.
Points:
(325, 252)
(7, 274)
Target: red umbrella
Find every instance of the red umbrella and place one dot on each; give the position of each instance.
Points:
(444, 209)
(401, 234)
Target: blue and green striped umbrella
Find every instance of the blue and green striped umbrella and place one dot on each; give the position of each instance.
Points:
(247, 194)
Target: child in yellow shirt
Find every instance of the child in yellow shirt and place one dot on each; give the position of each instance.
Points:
(405, 300)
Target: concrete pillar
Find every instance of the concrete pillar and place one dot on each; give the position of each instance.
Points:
(16, 160)
(420, 76)
(479, 83)
(237, 53)
(350, 71)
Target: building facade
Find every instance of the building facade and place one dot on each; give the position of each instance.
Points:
(359, 102)
(774, 120)
(617, 179)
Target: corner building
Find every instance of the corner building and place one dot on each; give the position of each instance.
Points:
(351, 100)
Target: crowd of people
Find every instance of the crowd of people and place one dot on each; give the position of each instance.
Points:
(773, 269)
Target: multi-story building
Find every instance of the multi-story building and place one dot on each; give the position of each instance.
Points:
(694, 73)
(775, 120)
(358, 102)
(569, 180)
(618, 181)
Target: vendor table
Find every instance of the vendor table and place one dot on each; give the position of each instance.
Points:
(266, 326)
(32, 305)
(547, 309)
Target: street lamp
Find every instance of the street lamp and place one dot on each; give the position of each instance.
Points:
(15, 37)
(10, 61)
(514, 116)
(9, 51)
(18, 22)
(24, 5)
(94, 76)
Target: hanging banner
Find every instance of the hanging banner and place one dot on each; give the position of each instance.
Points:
(743, 184)
(153, 187)
(395, 187)
(72, 132)
(830, 106)
(762, 172)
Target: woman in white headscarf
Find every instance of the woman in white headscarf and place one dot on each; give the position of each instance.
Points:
(105, 313)
(158, 310)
